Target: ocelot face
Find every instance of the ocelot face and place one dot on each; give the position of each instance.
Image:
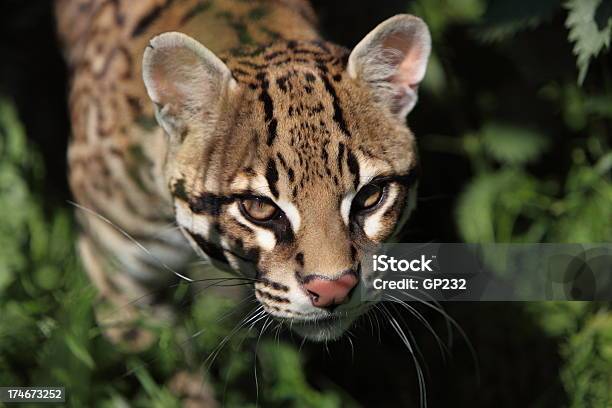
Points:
(287, 162)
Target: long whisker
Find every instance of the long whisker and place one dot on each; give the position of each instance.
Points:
(443, 348)
(368, 314)
(128, 236)
(375, 309)
(232, 360)
(173, 226)
(224, 316)
(436, 306)
(348, 337)
(212, 356)
(301, 344)
(406, 328)
(421, 379)
(218, 282)
(277, 330)
(265, 325)
(432, 303)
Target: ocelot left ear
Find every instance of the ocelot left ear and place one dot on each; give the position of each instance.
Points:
(185, 80)
(392, 60)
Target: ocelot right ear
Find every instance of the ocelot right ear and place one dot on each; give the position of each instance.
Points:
(392, 60)
(186, 81)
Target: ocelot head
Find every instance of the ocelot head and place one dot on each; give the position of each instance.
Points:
(287, 161)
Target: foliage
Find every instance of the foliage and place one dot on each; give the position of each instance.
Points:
(516, 191)
(590, 25)
(588, 329)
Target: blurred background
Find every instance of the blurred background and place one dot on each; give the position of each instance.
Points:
(513, 123)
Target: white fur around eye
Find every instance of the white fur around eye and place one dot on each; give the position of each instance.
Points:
(201, 225)
(233, 261)
(345, 207)
(240, 183)
(372, 224)
(265, 238)
(368, 169)
(259, 184)
(196, 223)
(183, 214)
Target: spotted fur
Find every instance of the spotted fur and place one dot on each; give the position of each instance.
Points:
(265, 108)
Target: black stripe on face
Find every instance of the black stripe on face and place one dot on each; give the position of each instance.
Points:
(340, 157)
(407, 180)
(338, 114)
(272, 177)
(283, 233)
(265, 98)
(250, 256)
(246, 254)
(353, 166)
(274, 298)
(299, 258)
(211, 250)
(353, 253)
(272, 132)
(208, 203)
(275, 285)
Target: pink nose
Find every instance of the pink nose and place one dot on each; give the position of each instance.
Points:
(325, 293)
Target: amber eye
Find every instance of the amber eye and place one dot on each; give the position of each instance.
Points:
(258, 209)
(368, 197)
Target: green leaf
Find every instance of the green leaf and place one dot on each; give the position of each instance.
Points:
(282, 367)
(588, 217)
(588, 38)
(586, 374)
(440, 14)
(435, 81)
(559, 318)
(511, 144)
(158, 395)
(475, 210)
(79, 351)
(488, 209)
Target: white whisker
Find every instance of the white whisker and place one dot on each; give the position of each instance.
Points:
(443, 348)
(128, 236)
(400, 332)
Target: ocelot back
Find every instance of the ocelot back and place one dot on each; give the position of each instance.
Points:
(279, 155)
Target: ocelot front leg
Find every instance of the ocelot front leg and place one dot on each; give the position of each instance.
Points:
(126, 310)
(131, 324)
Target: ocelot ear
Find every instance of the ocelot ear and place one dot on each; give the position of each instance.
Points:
(185, 80)
(392, 60)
